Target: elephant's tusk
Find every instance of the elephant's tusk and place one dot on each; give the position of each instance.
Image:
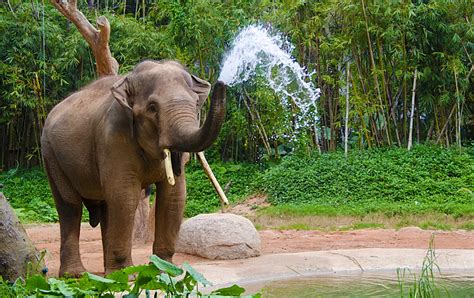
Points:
(168, 167)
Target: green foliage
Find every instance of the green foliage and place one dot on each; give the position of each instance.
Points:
(41, 63)
(29, 194)
(389, 181)
(162, 277)
(394, 181)
(202, 198)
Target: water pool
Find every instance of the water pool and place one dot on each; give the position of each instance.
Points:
(362, 285)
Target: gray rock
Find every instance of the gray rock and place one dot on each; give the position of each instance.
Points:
(16, 248)
(219, 236)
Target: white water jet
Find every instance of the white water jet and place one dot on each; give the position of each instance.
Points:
(255, 47)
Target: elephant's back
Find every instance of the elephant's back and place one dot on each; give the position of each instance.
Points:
(82, 106)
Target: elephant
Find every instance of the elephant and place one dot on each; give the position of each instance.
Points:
(103, 144)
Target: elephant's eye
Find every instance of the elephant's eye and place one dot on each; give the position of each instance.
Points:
(152, 108)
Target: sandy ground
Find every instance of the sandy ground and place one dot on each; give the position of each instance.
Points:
(273, 242)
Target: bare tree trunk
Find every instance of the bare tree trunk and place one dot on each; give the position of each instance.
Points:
(18, 255)
(412, 112)
(98, 40)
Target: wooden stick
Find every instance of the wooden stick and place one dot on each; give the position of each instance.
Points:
(210, 175)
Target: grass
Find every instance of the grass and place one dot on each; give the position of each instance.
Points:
(468, 226)
(425, 284)
(430, 225)
(428, 221)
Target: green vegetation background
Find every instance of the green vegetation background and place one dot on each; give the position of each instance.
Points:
(389, 181)
(42, 60)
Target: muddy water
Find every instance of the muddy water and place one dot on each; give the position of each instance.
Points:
(363, 285)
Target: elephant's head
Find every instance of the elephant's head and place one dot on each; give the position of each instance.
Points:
(163, 102)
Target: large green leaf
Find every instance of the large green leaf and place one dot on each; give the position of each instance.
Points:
(165, 266)
(234, 290)
(196, 275)
(62, 287)
(136, 269)
(100, 279)
(37, 282)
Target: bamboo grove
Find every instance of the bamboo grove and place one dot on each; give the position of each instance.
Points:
(391, 73)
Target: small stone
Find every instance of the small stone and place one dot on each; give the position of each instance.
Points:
(219, 236)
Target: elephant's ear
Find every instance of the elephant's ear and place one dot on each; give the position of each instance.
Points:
(120, 91)
(202, 88)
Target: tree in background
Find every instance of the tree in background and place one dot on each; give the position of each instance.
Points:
(384, 43)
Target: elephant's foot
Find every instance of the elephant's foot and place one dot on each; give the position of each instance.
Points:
(71, 270)
(165, 255)
(117, 263)
(109, 270)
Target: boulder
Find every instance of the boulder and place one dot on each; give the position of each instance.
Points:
(219, 236)
(17, 252)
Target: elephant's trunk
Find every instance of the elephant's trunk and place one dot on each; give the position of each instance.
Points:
(195, 139)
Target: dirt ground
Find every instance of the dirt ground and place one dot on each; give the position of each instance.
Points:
(46, 237)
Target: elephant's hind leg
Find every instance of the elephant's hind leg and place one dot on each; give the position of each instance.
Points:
(69, 221)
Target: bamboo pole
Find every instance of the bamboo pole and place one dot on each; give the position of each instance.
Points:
(260, 127)
(210, 175)
(412, 112)
(374, 72)
(346, 131)
(458, 112)
(445, 124)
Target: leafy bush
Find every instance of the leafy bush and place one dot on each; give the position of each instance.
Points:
(382, 180)
(160, 276)
(390, 181)
(29, 194)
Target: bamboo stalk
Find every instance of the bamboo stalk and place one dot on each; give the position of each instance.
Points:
(412, 112)
(374, 71)
(458, 112)
(210, 175)
(346, 130)
(363, 126)
(445, 124)
(260, 132)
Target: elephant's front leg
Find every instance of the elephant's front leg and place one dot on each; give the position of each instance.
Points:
(121, 206)
(169, 210)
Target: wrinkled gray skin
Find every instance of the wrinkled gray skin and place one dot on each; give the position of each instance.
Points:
(104, 143)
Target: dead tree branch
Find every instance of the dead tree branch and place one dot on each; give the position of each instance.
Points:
(98, 39)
